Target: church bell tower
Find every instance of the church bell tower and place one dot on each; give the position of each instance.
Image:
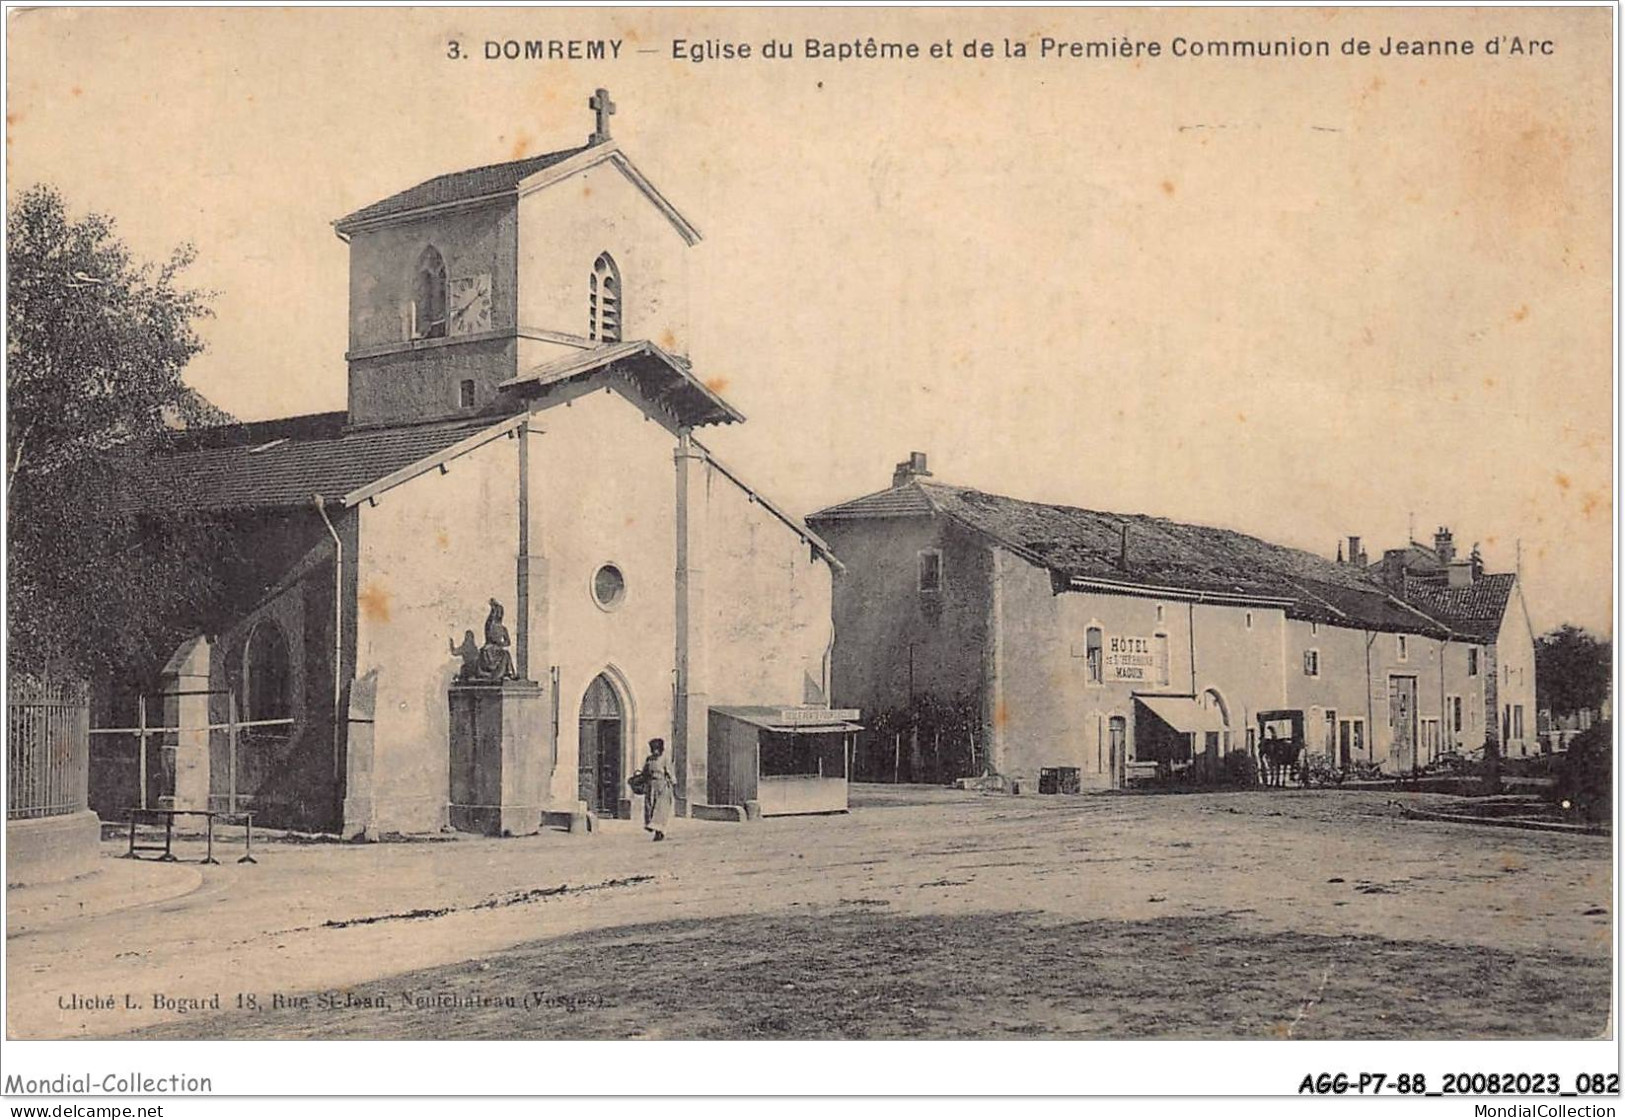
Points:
(464, 282)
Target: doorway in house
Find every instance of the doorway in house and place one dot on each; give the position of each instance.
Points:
(602, 748)
(1402, 720)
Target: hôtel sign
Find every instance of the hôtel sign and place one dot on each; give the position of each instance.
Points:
(1130, 658)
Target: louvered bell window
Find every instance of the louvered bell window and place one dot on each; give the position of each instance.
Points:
(604, 301)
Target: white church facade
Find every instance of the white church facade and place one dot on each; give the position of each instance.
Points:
(522, 428)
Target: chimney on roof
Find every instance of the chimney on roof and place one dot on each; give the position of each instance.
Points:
(1357, 557)
(1444, 546)
(911, 468)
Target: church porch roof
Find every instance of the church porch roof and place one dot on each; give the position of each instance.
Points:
(662, 378)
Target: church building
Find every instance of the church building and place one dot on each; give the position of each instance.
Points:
(982, 634)
(522, 440)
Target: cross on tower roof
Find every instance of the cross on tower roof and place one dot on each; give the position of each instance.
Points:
(600, 103)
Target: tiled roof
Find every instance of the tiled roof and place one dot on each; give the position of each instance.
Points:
(460, 186)
(1474, 611)
(1373, 607)
(1082, 544)
(903, 501)
(287, 472)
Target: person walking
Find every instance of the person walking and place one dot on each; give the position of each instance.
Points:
(659, 789)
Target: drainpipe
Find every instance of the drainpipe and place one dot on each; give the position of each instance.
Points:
(1190, 627)
(338, 634)
(1444, 716)
(1370, 712)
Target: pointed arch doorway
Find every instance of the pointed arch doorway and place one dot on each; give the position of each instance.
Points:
(603, 746)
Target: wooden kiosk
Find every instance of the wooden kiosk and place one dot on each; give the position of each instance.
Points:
(786, 760)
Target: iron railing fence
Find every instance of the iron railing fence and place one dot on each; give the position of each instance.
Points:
(47, 748)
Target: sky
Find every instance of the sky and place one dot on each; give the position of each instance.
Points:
(1299, 297)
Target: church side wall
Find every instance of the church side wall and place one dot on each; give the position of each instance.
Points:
(769, 618)
(432, 552)
(602, 491)
(562, 230)
(285, 774)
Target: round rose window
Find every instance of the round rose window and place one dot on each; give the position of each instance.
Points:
(608, 587)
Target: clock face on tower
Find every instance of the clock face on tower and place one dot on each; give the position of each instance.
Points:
(471, 304)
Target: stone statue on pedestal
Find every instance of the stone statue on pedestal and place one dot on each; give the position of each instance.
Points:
(494, 662)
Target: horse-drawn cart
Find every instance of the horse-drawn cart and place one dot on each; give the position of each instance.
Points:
(1280, 746)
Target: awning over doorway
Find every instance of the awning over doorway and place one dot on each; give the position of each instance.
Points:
(1183, 714)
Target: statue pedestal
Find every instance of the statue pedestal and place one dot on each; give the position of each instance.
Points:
(499, 768)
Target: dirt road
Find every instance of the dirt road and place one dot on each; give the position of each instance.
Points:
(923, 913)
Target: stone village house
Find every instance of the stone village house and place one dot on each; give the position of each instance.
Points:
(1114, 644)
(521, 427)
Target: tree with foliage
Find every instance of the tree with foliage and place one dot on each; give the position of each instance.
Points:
(96, 345)
(1584, 775)
(1572, 670)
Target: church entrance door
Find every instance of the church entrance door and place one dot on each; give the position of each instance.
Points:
(602, 746)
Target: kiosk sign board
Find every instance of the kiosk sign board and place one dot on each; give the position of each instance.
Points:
(816, 717)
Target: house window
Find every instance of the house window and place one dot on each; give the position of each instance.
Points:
(1472, 661)
(1517, 721)
(429, 296)
(1403, 647)
(1311, 663)
(1159, 643)
(930, 577)
(1314, 629)
(1249, 620)
(1159, 612)
(1094, 654)
(604, 301)
(465, 394)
